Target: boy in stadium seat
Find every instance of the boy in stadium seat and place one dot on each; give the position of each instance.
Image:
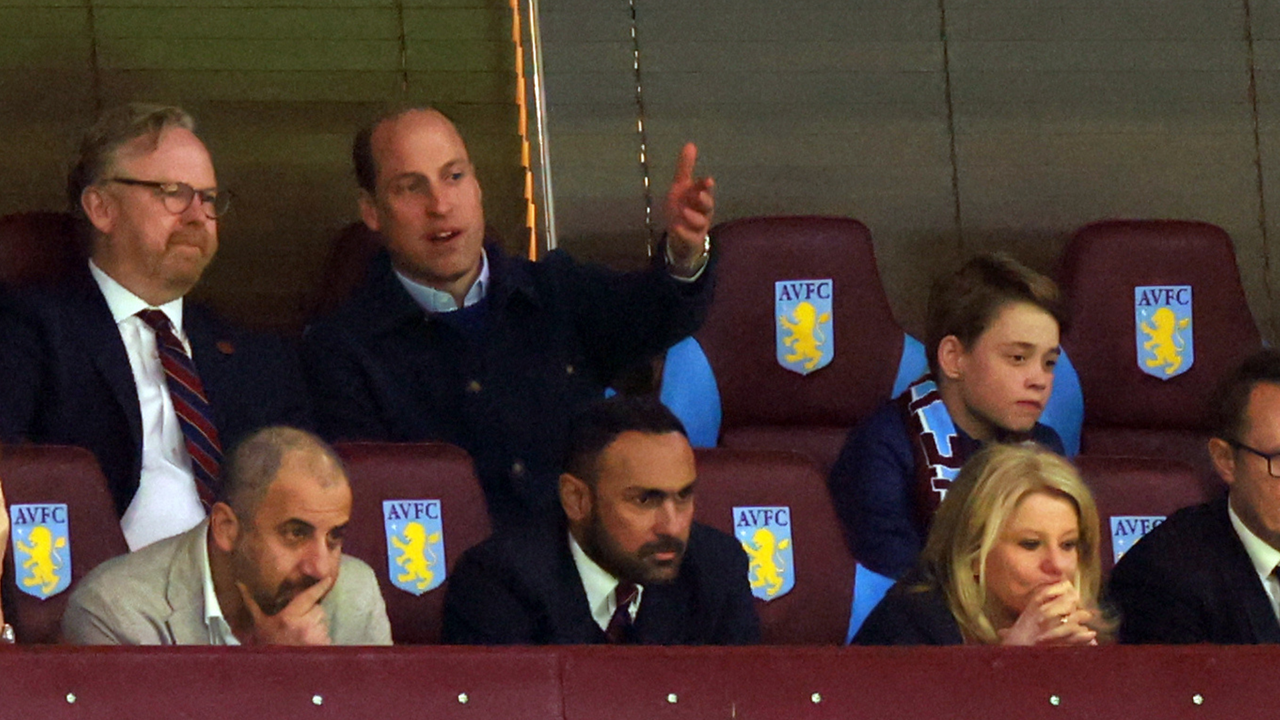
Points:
(992, 336)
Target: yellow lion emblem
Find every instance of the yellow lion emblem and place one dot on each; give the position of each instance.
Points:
(40, 560)
(1165, 344)
(806, 338)
(414, 552)
(766, 567)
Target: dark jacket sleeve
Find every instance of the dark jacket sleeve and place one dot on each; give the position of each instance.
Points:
(871, 487)
(909, 616)
(482, 605)
(740, 624)
(343, 402)
(1158, 601)
(21, 369)
(624, 318)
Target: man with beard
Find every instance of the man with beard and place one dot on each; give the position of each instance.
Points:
(265, 568)
(628, 565)
(112, 359)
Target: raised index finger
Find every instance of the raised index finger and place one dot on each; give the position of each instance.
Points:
(684, 164)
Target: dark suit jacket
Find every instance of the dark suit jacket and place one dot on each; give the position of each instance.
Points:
(552, 336)
(1189, 580)
(907, 616)
(521, 586)
(65, 378)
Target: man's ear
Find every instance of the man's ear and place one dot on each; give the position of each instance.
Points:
(575, 498)
(99, 208)
(369, 211)
(224, 527)
(1224, 459)
(951, 358)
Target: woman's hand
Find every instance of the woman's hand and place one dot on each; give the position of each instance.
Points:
(1052, 617)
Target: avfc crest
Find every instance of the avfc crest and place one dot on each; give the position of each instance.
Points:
(42, 556)
(804, 331)
(765, 533)
(1162, 316)
(415, 544)
(1129, 529)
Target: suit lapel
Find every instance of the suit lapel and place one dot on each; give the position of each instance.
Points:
(1253, 604)
(185, 590)
(569, 607)
(101, 339)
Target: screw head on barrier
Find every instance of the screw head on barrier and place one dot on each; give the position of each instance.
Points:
(1054, 700)
(673, 698)
(463, 699)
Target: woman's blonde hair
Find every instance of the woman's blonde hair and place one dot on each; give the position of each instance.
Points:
(975, 510)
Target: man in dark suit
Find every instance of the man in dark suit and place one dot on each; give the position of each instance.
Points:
(451, 339)
(113, 360)
(629, 566)
(1208, 573)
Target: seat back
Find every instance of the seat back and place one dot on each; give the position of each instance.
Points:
(763, 404)
(815, 563)
(1136, 494)
(408, 563)
(44, 475)
(1102, 266)
(40, 248)
(344, 269)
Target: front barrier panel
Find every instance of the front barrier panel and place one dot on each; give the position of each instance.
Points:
(585, 683)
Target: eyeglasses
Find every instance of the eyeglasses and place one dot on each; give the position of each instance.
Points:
(1273, 461)
(177, 197)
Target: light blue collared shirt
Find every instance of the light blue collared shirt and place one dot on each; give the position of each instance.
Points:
(438, 301)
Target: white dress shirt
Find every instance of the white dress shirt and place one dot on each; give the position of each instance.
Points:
(167, 502)
(1264, 558)
(599, 586)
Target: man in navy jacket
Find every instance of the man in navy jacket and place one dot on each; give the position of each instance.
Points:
(625, 562)
(452, 340)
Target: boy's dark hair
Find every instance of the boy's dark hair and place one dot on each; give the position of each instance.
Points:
(965, 302)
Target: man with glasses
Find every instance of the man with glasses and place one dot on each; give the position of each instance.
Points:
(1208, 573)
(113, 359)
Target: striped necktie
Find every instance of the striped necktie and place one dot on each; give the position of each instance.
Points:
(195, 415)
(619, 630)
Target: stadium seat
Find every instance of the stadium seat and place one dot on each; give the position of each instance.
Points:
(1136, 494)
(38, 248)
(816, 608)
(726, 382)
(51, 474)
(408, 565)
(1161, 408)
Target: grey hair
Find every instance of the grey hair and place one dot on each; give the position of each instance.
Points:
(113, 129)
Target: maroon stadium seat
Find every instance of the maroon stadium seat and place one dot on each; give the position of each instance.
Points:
(816, 609)
(1133, 494)
(39, 474)
(418, 471)
(763, 405)
(1127, 411)
(39, 248)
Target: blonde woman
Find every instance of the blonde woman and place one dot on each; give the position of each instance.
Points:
(1011, 558)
